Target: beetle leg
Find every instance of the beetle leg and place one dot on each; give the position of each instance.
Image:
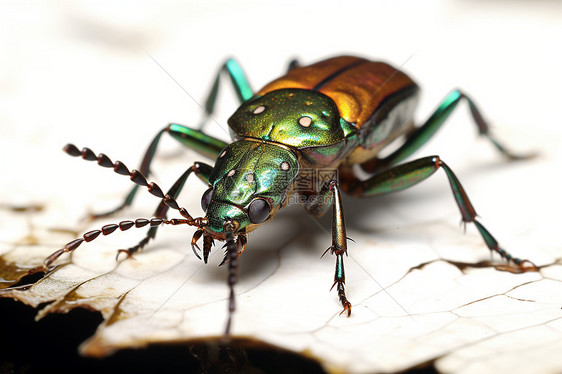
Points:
(318, 205)
(408, 174)
(293, 65)
(239, 82)
(202, 171)
(339, 246)
(423, 133)
(196, 140)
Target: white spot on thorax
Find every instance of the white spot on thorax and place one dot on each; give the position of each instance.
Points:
(305, 121)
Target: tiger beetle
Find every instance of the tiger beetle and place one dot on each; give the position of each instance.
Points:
(331, 115)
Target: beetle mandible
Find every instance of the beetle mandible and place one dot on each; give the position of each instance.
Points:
(331, 115)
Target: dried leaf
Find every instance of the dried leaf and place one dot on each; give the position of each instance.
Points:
(421, 291)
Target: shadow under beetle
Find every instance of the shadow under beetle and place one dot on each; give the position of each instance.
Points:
(331, 115)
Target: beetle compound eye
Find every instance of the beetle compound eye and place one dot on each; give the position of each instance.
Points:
(259, 210)
(206, 199)
(305, 121)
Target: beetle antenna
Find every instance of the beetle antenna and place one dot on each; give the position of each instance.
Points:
(109, 229)
(135, 176)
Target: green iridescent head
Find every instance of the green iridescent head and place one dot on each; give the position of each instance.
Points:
(249, 183)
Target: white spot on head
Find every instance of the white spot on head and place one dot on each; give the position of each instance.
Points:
(249, 177)
(305, 121)
(222, 154)
(259, 109)
(285, 166)
(231, 173)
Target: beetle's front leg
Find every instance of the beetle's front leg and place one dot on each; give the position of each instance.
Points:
(318, 205)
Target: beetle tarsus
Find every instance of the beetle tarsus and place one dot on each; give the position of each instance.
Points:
(531, 266)
(508, 154)
(521, 266)
(94, 216)
(127, 253)
(132, 250)
(343, 299)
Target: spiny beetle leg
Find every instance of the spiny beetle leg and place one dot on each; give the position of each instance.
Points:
(405, 175)
(339, 246)
(492, 243)
(423, 133)
(469, 214)
(318, 205)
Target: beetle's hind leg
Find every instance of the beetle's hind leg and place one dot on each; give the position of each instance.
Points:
(408, 174)
(423, 133)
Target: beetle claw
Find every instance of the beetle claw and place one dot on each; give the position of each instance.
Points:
(522, 266)
(195, 251)
(346, 308)
(196, 237)
(127, 252)
(531, 267)
(343, 299)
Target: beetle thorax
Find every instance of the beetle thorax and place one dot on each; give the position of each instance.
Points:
(249, 183)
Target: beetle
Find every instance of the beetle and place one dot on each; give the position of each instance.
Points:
(331, 115)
